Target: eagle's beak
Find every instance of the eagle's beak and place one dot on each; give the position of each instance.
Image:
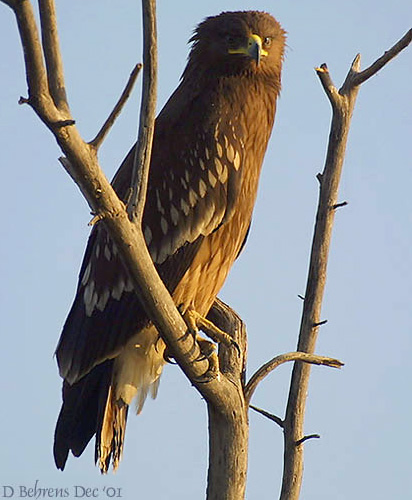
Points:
(253, 49)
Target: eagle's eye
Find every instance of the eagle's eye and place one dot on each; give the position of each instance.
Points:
(230, 39)
(267, 42)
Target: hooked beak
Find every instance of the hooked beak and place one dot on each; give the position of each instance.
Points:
(253, 49)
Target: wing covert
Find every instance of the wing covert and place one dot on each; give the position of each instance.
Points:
(191, 193)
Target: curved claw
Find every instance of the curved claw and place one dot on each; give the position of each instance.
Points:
(209, 353)
(200, 358)
(207, 377)
(168, 358)
(236, 345)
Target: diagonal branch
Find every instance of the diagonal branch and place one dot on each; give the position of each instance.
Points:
(107, 125)
(342, 105)
(268, 415)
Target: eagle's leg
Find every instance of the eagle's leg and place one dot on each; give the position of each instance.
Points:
(208, 351)
(195, 322)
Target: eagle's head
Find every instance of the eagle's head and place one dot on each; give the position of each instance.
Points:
(236, 43)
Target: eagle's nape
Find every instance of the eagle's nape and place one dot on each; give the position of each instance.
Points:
(208, 148)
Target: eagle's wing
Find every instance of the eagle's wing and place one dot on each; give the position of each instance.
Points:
(191, 193)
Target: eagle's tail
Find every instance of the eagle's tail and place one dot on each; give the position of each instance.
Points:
(136, 372)
(83, 406)
(110, 433)
(99, 402)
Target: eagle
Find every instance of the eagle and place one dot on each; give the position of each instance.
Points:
(209, 143)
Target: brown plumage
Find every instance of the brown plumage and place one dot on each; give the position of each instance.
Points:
(209, 144)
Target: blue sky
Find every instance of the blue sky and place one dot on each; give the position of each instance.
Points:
(362, 412)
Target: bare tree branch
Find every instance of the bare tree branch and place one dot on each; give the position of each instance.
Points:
(305, 438)
(342, 102)
(268, 367)
(108, 124)
(364, 75)
(147, 113)
(52, 54)
(268, 415)
(33, 57)
(228, 424)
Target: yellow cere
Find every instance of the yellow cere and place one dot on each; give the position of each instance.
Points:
(252, 41)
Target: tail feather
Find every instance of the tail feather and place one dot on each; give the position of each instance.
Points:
(110, 433)
(82, 404)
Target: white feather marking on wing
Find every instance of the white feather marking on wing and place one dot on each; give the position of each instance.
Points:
(174, 214)
(236, 160)
(86, 274)
(230, 153)
(164, 225)
(192, 198)
(107, 252)
(118, 289)
(212, 178)
(88, 297)
(202, 188)
(148, 235)
(102, 301)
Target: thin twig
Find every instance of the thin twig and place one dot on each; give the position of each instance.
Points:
(268, 367)
(268, 415)
(305, 438)
(320, 323)
(364, 75)
(142, 156)
(340, 205)
(101, 135)
(52, 54)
